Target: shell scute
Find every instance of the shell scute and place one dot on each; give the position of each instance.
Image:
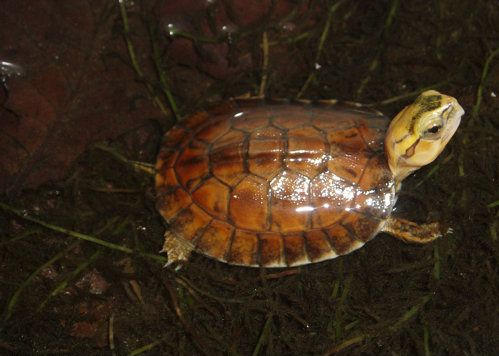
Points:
(229, 139)
(194, 121)
(294, 250)
(330, 196)
(172, 138)
(343, 119)
(244, 248)
(166, 158)
(376, 189)
(289, 202)
(190, 222)
(290, 116)
(373, 132)
(271, 250)
(227, 157)
(341, 239)
(307, 151)
(192, 165)
(250, 120)
(165, 175)
(376, 174)
(215, 239)
(170, 200)
(217, 128)
(377, 202)
(348, 140)
(265, 157)
(317, 246)
(213, 197)
(267, 133)
(248, 205)
(361, 226)
(347, 166)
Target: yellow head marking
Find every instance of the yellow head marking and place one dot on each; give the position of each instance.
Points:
(419, 133)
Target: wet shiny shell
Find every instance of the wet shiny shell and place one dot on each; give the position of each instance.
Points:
(275, 184)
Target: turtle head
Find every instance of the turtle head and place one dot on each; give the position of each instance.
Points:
(418, 134)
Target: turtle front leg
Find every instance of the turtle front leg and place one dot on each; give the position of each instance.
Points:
(409, 231)
(177, 249)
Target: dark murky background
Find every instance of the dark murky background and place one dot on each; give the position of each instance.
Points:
(85, 83)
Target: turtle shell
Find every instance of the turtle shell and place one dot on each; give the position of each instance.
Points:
(275, 184)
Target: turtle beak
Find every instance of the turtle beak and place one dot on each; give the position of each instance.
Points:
(453, 122)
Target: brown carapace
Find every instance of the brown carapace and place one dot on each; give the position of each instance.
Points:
(278, 184)
(275, 184)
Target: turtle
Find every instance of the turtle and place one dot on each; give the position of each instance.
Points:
(280, 183)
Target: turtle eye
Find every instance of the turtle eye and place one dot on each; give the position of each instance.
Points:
(432, 133)
(433, 129)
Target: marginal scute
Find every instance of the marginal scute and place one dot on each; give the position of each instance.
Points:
(305, 133)
(190, 222)
(230, 139)
(170, 178)
(271, 250)
(244, 248)
(317, 246)
(363, 227)
(267, 133)
(377, 174)
(215, 129)
(376, 193)
(166, 158)
(161, 172)
(170, 196)
(215, 239)
(170, 200)
(322, 119)
(251, 119)
(340, 239)
(294, 250)
(194, 121)
(373, 132)
(290, 116)
(172, 138)
(375, 202)
(166, 178)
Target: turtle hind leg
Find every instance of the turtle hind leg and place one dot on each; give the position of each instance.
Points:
(177, 249)
(409, 231)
